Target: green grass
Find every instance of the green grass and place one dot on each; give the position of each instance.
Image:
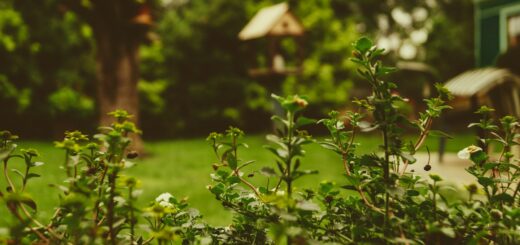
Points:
(182, 167)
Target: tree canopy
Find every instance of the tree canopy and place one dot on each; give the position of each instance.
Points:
(194, 75)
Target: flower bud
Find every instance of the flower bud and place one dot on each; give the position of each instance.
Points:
(472, 189)
(301, 102)
(329, 199)
(356, 54)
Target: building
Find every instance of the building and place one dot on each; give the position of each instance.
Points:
(497, 28)
(497, 38)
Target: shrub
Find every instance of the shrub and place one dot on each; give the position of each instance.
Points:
(379, 202)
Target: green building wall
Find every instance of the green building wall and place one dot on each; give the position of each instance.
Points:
(491, 28)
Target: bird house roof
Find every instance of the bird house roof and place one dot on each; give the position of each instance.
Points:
(276, 20)
(479, 81)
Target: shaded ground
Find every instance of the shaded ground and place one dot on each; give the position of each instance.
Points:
(451, 169)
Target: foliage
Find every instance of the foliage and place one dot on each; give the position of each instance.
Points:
(38, 75)
(192, 36)
(379, 202)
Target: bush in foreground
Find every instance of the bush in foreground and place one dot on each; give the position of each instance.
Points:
(380, 201)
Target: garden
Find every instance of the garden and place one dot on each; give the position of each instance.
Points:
(343, 151)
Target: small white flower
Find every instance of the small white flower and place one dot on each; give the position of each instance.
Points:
(280, 193)
(466, 152)
(165, 197)
(165, 204)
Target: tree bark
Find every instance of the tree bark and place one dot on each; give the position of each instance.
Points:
(117, 40)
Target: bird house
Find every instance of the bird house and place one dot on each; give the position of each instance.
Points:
(276, 23)
(143, 16)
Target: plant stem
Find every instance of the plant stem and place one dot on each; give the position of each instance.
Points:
(8, 179)
(288, 163)
(386, 176)
(110, 206)
(132, 217)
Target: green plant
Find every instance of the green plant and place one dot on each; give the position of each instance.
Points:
(379, 201)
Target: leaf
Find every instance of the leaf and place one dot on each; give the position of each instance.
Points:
(485, 181)
(233, 179)
(37, 164)
(412, 193)
(349, 187)
(268, 172)
(353, 180)
(18, 172)
(505, 197)
(232, 161)
(21, 198)
(435, 177)
(363, 44)
(308, 206)
(263, 190)
(330, 146)
(478, 157)
(408, 157)
(217, 189)
(247, 163)
(448, 231)
(6, 151)
(302, 121)
(281, 120)
(276, 140)
(490, 165)
(395, 191)
(440, 134)
(384, 70)
(33, 175)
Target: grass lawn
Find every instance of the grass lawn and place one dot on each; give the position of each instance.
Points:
(182, 167)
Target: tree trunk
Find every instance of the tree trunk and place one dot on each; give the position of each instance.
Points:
(117, 40)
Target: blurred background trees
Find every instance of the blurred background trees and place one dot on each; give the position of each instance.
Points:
(193, 68)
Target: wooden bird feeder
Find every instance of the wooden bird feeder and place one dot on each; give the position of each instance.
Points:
(275, 23)
(143, 16)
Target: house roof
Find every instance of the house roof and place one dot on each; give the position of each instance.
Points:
(267, 21)
(479, 81)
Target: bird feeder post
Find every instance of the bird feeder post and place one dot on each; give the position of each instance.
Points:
(275, 23)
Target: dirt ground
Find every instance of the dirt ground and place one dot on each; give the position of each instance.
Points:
(452, 169)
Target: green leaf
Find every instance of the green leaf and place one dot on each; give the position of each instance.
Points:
(33, 175)
(478, 157)
(6, 151)
(232, 161)
(349, 187)
(440, 134)
(281, 120)
(233, 179)
(217, 189)
(435, 177)
(268, 172)
(353, 180)
(384, 70)
(412, 193)
(505, 197)
(302, 121)
(330, 146)
(485, 181)
(363, 44)
(18, 172)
